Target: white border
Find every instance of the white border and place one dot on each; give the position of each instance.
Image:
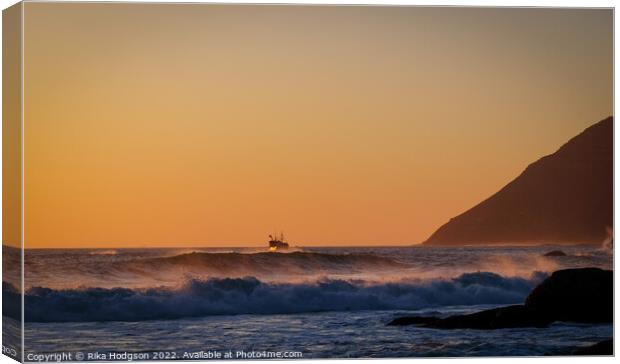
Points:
(476, 3)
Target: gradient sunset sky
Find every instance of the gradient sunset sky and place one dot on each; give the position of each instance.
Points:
(214, 125)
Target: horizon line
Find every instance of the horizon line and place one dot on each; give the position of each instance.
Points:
(391, 245)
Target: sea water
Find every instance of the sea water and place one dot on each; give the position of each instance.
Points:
(195, 303)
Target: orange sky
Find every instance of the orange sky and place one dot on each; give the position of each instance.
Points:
(211, 125)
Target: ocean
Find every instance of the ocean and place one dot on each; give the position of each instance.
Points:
(196, 303)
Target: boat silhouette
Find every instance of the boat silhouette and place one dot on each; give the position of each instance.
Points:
(277, 243)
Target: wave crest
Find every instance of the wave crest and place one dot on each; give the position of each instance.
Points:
(272, 263)
(249, 295)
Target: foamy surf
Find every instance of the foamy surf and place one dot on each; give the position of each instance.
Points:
(231, 296)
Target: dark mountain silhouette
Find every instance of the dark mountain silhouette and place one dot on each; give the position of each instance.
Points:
(565, 197)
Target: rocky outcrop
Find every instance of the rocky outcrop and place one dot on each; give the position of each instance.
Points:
(579, 295)
(565, 197)
(497, 318)
(555, 253)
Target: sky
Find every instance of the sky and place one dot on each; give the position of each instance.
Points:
(158, 125)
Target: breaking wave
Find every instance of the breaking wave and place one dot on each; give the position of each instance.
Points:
(266, 263)
(249, 295)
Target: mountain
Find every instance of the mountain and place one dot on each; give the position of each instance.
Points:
(565, 197)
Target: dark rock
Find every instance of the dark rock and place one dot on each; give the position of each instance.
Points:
(412, 320)
(579, 295)
(605, 347)
(497, 318)
(555, 253)
(564, 197)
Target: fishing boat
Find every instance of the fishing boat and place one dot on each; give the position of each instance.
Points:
(277, 243)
